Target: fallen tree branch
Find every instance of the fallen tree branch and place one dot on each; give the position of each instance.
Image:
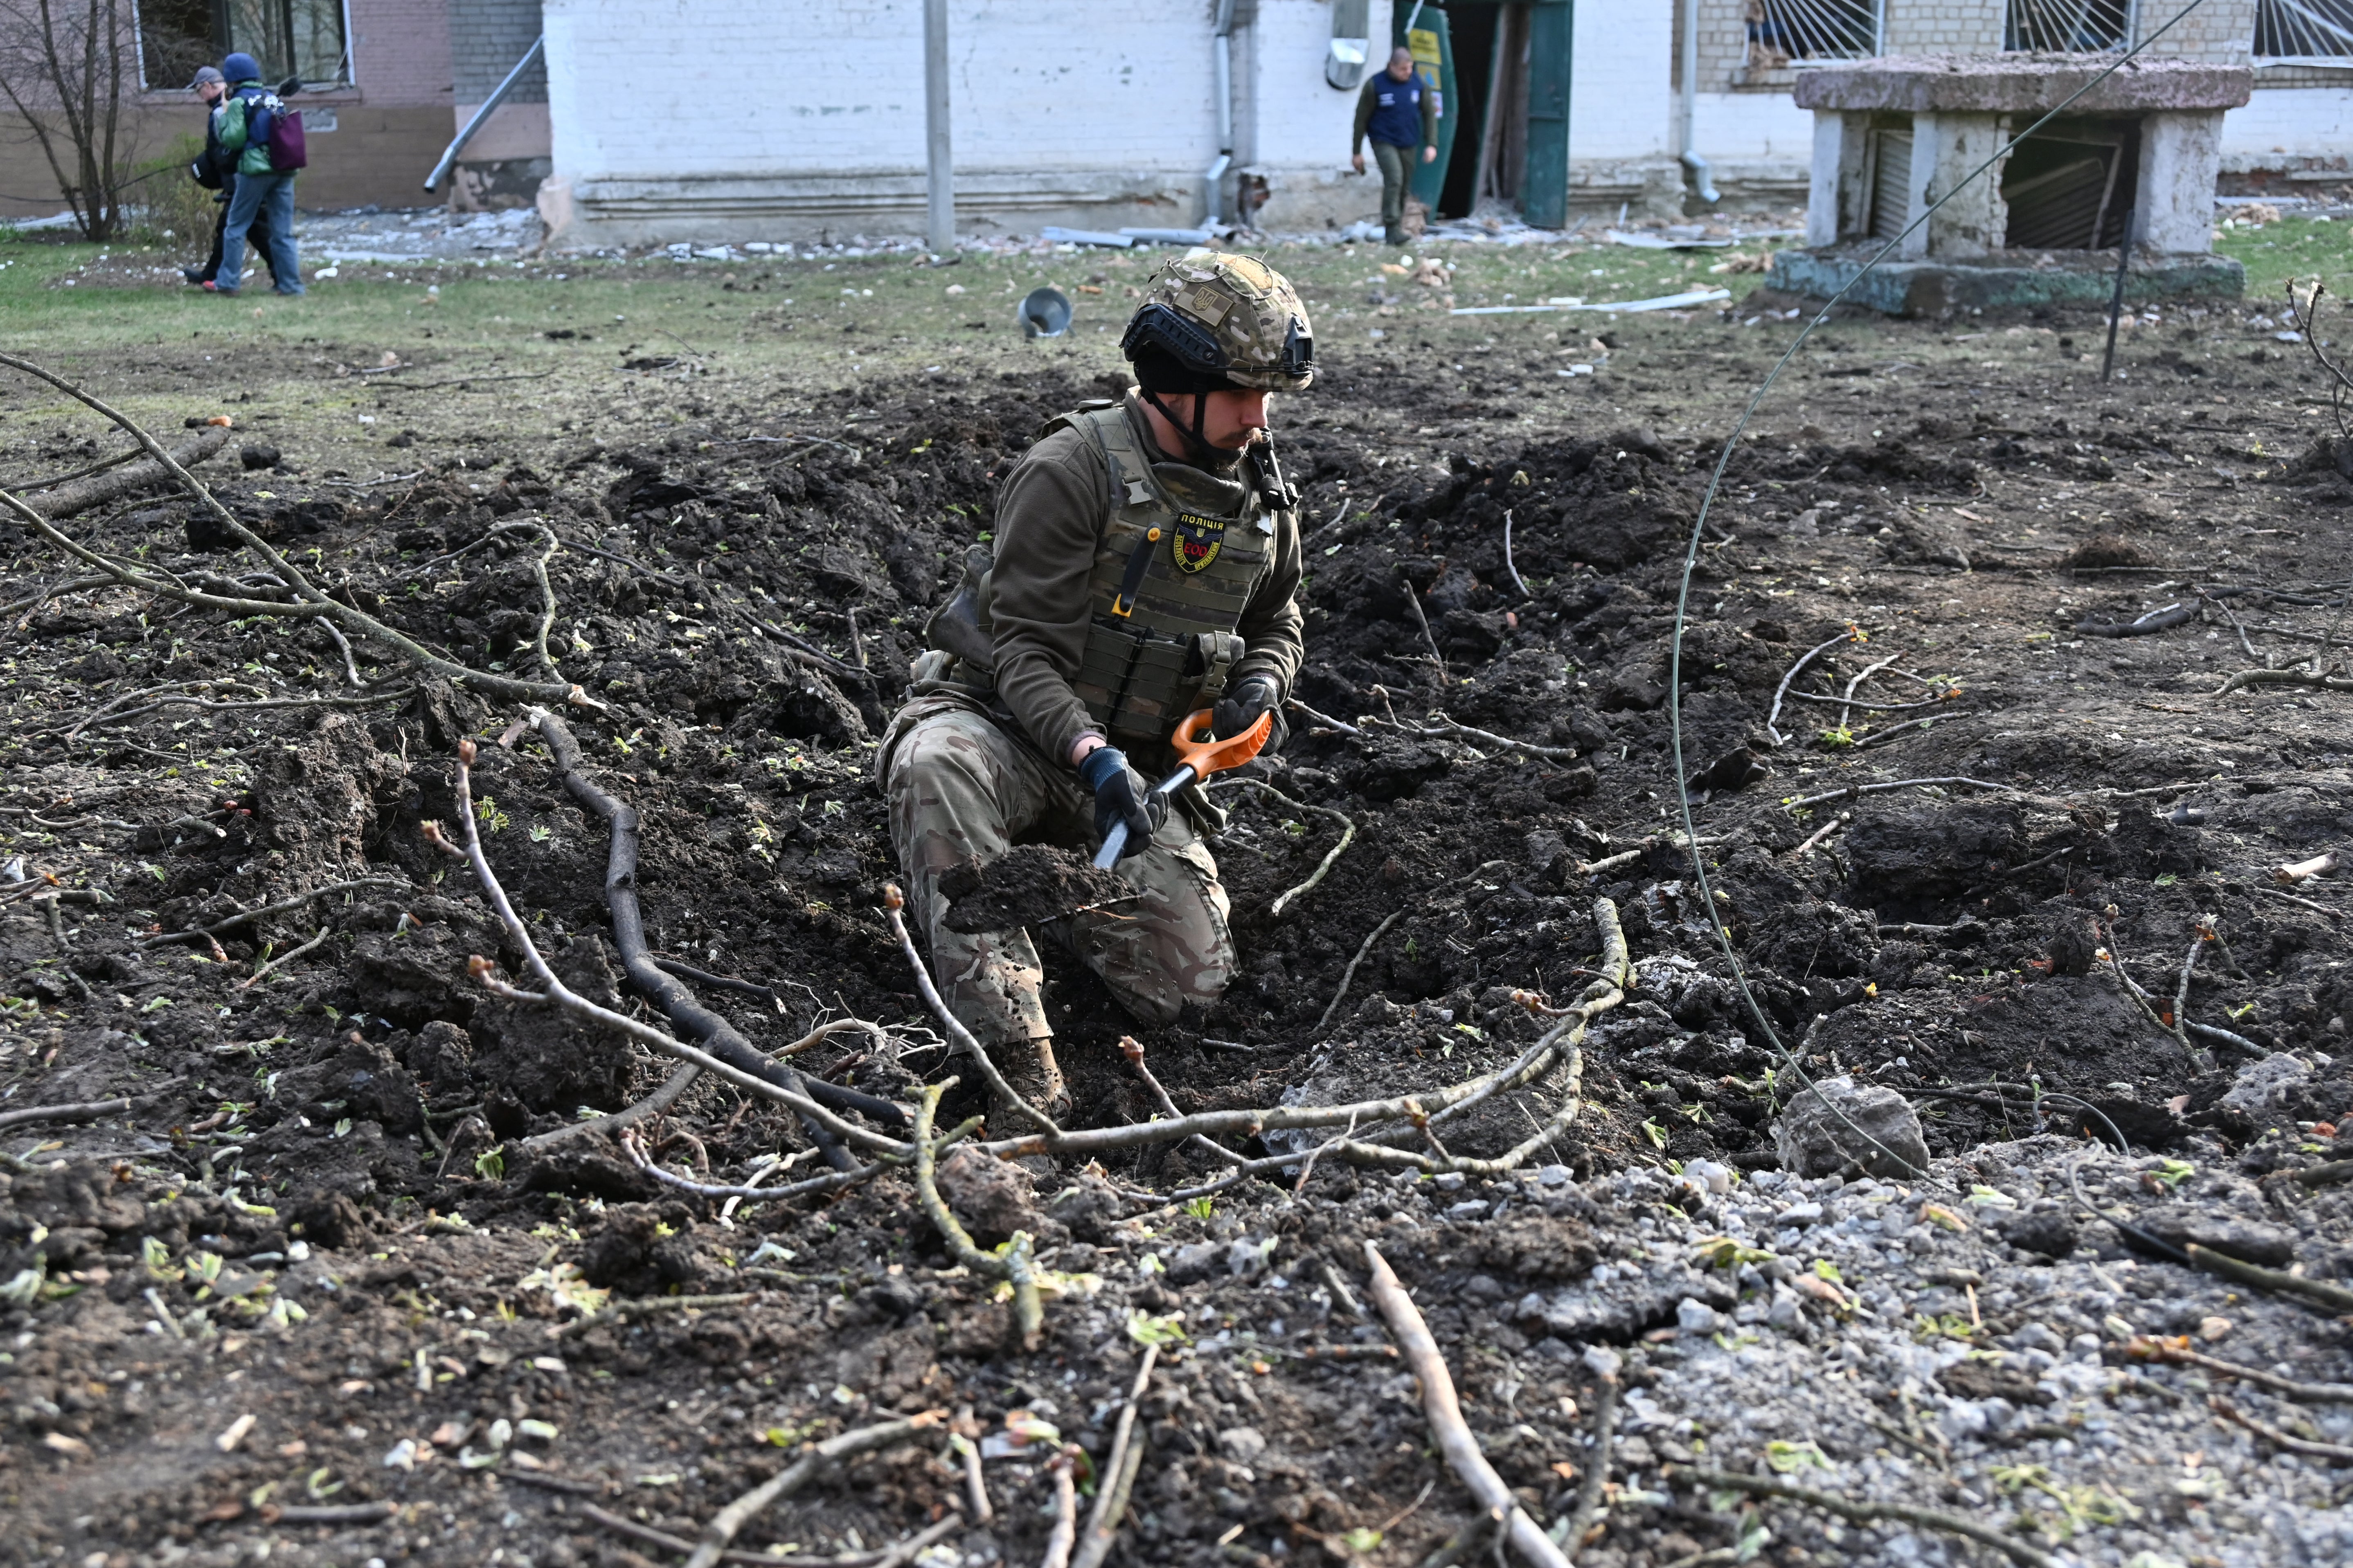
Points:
(1413, 603)
(555, 992)
(80, 1110)
(250, 980)
(1593, 1484)
(631, 1529)
(1851, 791)
(315, 602)
(2147, 1347)
(660, 1100)
(1065, 1533)
(1118, 1472)
(2247, 677)
(1347, 836)
(1564, 1045)
(1444, 1412)
(57, 504)
(2336, 1453)
(1827, 829)
(2289, 874)
(2157, 620)
(715, 1033)
(728, 1520)
(1936, 1518)
(1012, 1266)
(1852, 634)
(1323, 719)
(296, 902)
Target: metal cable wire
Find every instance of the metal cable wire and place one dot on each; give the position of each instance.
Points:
(1691, 564)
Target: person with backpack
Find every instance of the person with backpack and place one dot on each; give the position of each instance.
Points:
(216, 172)
(265, 138)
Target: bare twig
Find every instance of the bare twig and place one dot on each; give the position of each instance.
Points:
(1846, 703)
(2247, 677)
(1444, 1414)
(1824, 831)
(1029, 1311)
(1348, 974)
(282, 959)
(60, 503)
(1323, 719)
(645, 1306)
(280, 908)
(2144, 1347)
(1118, 1471)
(1591, 1487)
(1347, 836)
(1852, 634)
(2336, 1453)
(1870, 1513)
(1413, 603)
(1851, 791)
(314, 601)
(893, 902)
(2334, 1296)
(1509, 570)
(80, 1110)
(660, 1100)
(1065, 1532)
(728, 1520)
(832, 1181)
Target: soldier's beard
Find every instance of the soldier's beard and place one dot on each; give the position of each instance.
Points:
(1200, 451)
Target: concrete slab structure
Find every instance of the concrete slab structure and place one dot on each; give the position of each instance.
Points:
(2150, 137)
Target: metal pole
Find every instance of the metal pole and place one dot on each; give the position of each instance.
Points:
(498, 96)
(940, 226)
(2116, 301)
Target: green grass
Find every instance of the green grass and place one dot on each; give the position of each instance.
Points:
(778, 313)
(2301, 248)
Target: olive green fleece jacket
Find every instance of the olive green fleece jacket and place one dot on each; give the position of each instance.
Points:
(1053, 509)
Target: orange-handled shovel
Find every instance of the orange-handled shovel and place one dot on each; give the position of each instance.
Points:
(1203, 755)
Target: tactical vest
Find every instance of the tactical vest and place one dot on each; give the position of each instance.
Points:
(1174, 567)
(1178, 559)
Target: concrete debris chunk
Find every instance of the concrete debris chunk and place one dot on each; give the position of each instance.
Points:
(1837, 1128)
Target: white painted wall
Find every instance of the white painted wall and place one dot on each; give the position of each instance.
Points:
(1754, 127)
(2286, 127)
(1621, 99)
(717, 117)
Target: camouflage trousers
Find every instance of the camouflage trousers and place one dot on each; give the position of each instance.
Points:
(961, 789)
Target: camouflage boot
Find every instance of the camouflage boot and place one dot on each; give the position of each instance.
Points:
(1030, 1072)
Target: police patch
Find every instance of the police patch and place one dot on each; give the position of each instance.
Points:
(1199, 540)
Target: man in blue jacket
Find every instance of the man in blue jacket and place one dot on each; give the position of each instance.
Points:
(216, 172)
(243, 123)
(1399, 112)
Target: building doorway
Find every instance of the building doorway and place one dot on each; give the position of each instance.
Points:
(1501, 70)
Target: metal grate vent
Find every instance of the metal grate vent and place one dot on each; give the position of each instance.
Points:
(1891, 182)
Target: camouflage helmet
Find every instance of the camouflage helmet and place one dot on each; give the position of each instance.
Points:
(1226, 321)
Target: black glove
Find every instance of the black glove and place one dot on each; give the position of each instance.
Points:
(1122, 796)
(1239, 709)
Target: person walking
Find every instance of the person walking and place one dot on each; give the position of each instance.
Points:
(215, 170)
(243, 122)
(1399, 112)
(1145, 565)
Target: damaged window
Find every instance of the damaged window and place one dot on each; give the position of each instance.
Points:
(298, 38)
(1780, 31)
(2067, 26)
(2304, 32)
(2069, 186)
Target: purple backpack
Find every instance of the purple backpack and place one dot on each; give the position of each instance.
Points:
(287, 152)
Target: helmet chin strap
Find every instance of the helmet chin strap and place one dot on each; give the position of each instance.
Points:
(1200, 451)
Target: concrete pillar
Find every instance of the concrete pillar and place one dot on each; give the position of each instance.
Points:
(1945, 149)
(1827, 199)
(2180, 158)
